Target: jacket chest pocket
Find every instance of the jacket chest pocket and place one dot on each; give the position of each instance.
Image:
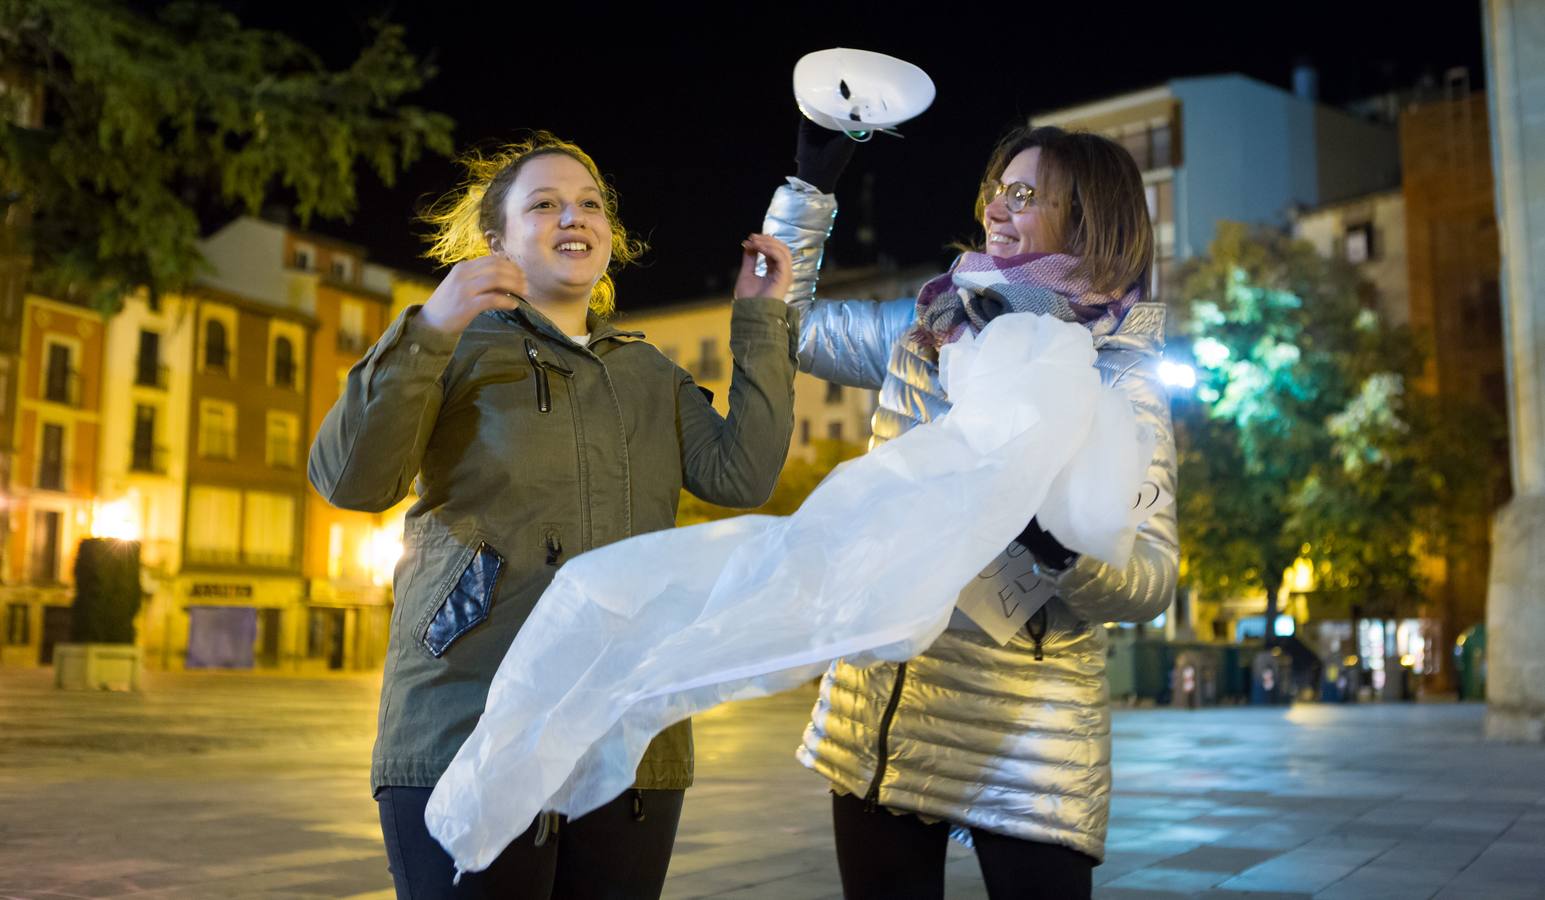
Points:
(467, 599)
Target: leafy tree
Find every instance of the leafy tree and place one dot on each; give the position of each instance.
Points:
(148, 121)
(1284, 340)
(107, 592)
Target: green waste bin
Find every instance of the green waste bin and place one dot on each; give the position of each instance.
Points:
(1470, 662)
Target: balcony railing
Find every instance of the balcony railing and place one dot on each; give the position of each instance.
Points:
(352, 342)
(63, 389)
(147, 373)
(213, 556)
(147, 459)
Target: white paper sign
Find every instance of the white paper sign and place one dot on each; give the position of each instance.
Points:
(1006, 594)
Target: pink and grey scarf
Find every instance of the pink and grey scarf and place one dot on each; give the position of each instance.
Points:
(978, 288)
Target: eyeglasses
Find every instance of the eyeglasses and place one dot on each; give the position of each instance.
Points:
(1017, 196)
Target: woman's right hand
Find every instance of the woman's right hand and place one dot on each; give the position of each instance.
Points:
(473, 285)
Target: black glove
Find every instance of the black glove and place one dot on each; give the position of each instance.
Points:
(1045, 547)
(821, 154)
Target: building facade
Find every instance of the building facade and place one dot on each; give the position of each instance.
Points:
(53, 478)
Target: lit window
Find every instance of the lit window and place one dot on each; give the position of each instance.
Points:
(217, 430)
(283, 436)
(1359, 243)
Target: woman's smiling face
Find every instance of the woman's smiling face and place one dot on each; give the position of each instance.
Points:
(556, 229)
(1015, 233)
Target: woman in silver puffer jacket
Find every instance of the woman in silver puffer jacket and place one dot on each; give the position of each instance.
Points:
(1010, 743)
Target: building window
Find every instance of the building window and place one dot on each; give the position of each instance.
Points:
(51, 458)
(18, 624)
(145, 456)
(709, 366)
(214, 526)
(304, 257)
(46, 525)
(834, 431)
(351, 327)
(216, 430)
(1358, 243)
(283, 435)
(216, 352)
(804, 432)
(342, 269)
(268, 530)
(284, 362)
(60, 384)
(833, 393)
(148, 371)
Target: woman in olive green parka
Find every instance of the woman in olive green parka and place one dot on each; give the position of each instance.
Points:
(535, 430)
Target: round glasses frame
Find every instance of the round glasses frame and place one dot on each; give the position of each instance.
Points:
(1017, 195)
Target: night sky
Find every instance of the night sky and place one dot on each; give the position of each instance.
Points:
(696, 126)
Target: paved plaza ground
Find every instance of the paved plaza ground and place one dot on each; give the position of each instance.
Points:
(235, 786)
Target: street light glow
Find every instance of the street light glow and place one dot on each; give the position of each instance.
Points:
(1177, 374)
(118, 519)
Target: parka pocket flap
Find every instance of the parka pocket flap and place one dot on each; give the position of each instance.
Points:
(468, 602)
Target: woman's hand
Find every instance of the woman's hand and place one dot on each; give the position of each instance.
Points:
(780, 268)
(474, 285)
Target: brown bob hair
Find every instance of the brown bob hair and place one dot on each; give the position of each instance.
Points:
(1092, 203)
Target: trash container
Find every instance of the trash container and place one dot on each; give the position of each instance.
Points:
(1470, 662)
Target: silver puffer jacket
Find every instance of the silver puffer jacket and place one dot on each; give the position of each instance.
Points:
(1014, 739)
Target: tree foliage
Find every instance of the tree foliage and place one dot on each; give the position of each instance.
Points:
(1304, 437)
(147, 121)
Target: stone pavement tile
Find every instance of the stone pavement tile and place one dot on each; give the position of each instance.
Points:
(1170, 879)
(1423, 852)
(1110, 893)
(1120, 862)
(1164, 813)
(1266, 836)
(1378, 882)
(387, 894)
(1491, 890)
(796, 887)
(728, 868)
(1230, 860)
(1509, 861)
(1289, 876)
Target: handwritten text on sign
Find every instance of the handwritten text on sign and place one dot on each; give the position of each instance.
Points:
(1006, 593)
(1003, 597)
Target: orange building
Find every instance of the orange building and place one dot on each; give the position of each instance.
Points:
(1455, 302)
(54, 474)
(349, 555)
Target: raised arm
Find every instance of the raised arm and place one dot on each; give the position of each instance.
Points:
(844, 341)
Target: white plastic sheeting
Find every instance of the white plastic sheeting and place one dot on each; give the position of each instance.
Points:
(634, 636)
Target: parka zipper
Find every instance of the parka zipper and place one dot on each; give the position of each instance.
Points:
(872, 799)
(544, 394)
(1037, 628)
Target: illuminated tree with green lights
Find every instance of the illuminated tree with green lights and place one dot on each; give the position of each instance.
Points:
(1301, 432)
(149, 122)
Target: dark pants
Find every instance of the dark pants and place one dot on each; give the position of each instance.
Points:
(618, 851)
(882, 855)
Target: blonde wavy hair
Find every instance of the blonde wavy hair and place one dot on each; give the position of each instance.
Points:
(461, 220)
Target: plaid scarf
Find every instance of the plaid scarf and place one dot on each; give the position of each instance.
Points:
(978, 288)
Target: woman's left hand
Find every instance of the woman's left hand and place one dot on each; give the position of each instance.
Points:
(780, 268)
